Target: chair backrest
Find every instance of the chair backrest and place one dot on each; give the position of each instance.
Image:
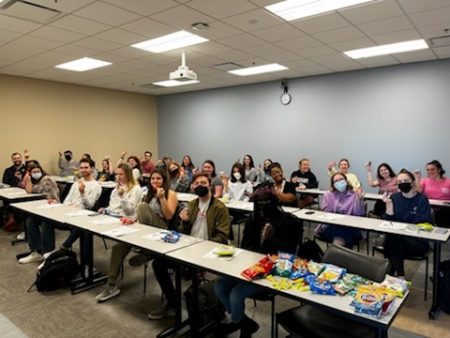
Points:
(373, 268)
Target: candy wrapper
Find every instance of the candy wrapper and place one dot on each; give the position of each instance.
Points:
(315, 268)
(341, 287)
(262, 268)
(172, 237)
(332, 273)
(354, 280)
(283, 283)
(399, 286)
(284, 264)
(320, 287)
(368, 301)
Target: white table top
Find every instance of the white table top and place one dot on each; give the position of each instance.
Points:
(42, 208)
(200, 256)
(372, 224)
(16, 193)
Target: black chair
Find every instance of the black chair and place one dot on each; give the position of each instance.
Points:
(265, 296)
(319, 237)
(312, 322)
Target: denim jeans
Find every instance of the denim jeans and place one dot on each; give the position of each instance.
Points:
(38, 242)
(232, 294)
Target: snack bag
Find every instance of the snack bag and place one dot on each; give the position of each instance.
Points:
(341, 287)
(284, 264)
(315, 268)
(126, 221)
(331, 273)
(399, 286)
(319, 287)
(172, 237)
(354, 280)
(262, 268)
(224, 251)
(368, 301)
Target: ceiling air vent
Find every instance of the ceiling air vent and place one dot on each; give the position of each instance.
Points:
(227, 66)
(440, 41)
(29, 11)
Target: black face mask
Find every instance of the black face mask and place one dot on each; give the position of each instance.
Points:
(68, 157)
(405, 187)
(201, 191)
(173, 172)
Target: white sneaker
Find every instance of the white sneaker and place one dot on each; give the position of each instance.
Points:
(21, 236)
(47, 254)
(32, 257)
(161, 312)
(109, 292)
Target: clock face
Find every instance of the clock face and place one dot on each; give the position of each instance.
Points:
(285, 98)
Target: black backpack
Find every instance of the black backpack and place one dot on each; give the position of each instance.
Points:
(444, 286)
(59, 269)
(310, 250)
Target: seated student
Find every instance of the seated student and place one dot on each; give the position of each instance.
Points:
(386, 181)
(263, 172)
(67, 165)
(284, 190)
(407, 206)
(269, 231)
(303, 179)
(216, 182)
(341, 199)
(107, 173)
(146, 163)
(237, 187)
(134, 163)
(437, 187)
(343, 167)
(188, 166)
(123, 200)
(93, 169)
(37, 181)
(159, 207)
(205, 217)
(251, 173)
(179, 181)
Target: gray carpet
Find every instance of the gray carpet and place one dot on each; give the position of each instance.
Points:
(9, 330)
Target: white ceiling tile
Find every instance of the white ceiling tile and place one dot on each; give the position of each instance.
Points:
(396, 37)
(412, 6)
(210, 48)
(217, 30)
(205, 61)
(143, 7)
(433, 31)
(332, 59)
(339, 34)
(431, 18)
(20, 50)
(6, 36)
(419, 55)
(220, 9)
(379, 61)
(111, 57)
(344, 65)
(372, 12)
(321, 23)
(263, 50)
(50, 73)
(65, 6)
(17, 25)
(181, 17)
(241, 41)
(298, 43)
(442, 52)
(253, 20)
(147, 27)
(75, 52)
(98, 44)
(57, 34)
(235, 56)
(20, 69)
(36, 14)
(121, 36)
(33, 41)
(130, 52)
(276, 33)
(107, 14)
(315, 52)
(80, 25)
(398, 23)
(282, 57)
(300, 64)
(352, 44)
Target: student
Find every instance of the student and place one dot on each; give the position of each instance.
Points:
(146, 163)
(407, 206)
(134, 163)
(205, 217)
(436, 186)
(284, 191)
(237, 187)
(159, 207)
(188, 166)
(216, 182)
(93, 169)
(41, 245)
(263, 171)
(251, 173)
(303, 179)
(341, 199)
(386, 182)
(179, 181)
(66, 164)
(343, 167)
(107, 173)
(14, 174)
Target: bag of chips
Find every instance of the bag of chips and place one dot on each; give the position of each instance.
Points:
(284, 264)
(262, 268)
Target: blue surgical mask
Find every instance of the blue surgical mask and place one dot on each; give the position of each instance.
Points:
(340, 186)
(36, 176)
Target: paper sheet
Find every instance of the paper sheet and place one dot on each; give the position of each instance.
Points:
(331, 217)
(120, 231)
(157, 236)
(49, 206)
(392, 225)
(82, 212)
(107, 220)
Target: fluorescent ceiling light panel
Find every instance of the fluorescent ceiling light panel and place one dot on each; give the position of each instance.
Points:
(273, 67)
(169, 42)
(392, 48)
(174, 83)
(83, 64)
(298, 9)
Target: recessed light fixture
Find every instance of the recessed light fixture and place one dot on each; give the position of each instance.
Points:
(298, 9)
(174, 83)
(169, 42)
(83, 64)
(272, 67)
(392, 48)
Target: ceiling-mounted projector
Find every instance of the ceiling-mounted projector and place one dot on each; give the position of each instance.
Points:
(183, 73)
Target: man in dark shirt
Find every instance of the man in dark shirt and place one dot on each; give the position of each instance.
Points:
(13, 175)
(304, 179)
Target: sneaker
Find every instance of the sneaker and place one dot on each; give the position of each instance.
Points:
(109, 292)
(32, 257)
(21, 236)
(161, 312)
(47, 254)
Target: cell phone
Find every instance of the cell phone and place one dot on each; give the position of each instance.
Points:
(95, 214)
(310, 212)
(441, 231)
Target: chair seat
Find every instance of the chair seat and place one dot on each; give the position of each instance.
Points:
(308, 321)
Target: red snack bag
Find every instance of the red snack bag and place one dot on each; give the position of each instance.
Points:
(262, 268)
(126, 220)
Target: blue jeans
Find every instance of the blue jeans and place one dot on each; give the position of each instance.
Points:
(38, 242)
(232, 294)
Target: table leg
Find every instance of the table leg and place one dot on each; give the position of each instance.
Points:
(436, 261)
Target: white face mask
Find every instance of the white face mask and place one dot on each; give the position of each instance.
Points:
(36, 176)
(237, 176)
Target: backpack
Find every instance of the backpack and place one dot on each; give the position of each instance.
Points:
(310, 250)
(444, 286)
(210, 310)
(59, 269)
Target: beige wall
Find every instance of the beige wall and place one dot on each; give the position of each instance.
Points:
(46, 117)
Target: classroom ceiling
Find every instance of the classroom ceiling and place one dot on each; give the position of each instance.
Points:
(34, 39)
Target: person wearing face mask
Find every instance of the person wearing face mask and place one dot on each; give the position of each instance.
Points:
(341, 199)
(343, 168)
(67, 164)
(179, 181)
(237, 187)
(407, 206)
(205, 217)
(37, 181)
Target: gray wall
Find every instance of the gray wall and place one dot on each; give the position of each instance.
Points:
(399, 114)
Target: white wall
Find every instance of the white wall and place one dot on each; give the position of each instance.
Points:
(399, 114)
